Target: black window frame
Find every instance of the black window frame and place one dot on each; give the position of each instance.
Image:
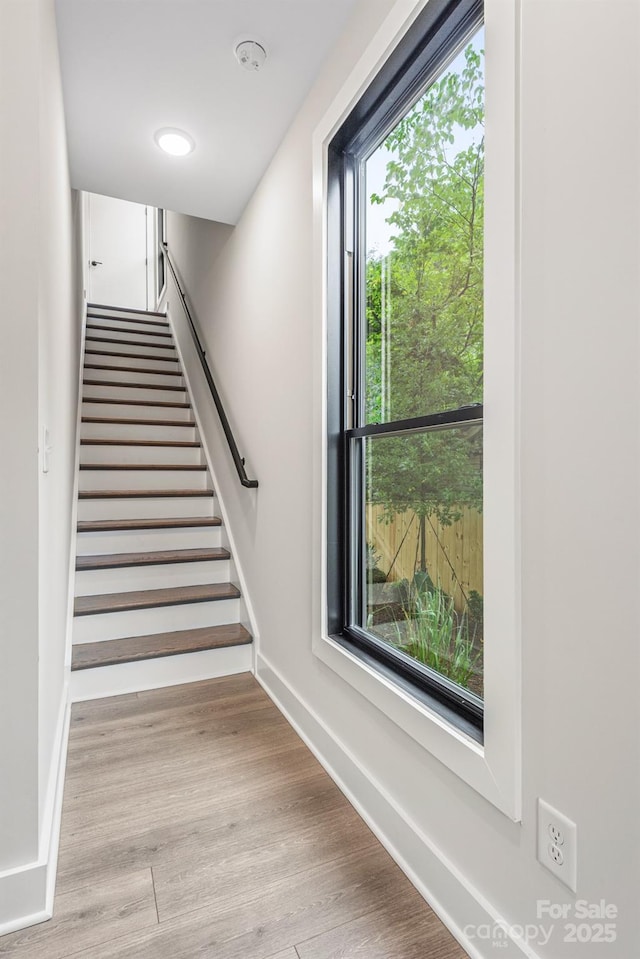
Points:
(420, 57)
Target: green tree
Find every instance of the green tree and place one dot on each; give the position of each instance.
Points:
(424, 342)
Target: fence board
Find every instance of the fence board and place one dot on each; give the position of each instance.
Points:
(453, 553)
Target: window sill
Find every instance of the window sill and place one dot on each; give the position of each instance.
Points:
(416, 694)
(450, 744)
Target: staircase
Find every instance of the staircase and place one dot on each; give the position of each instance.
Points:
(156, 595)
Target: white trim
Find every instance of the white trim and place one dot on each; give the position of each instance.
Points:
(86, 253)
(493, 770)
(150, 256)
(455, 900)
(242, 583)
(73, 539)
(163, 292)
(27, 892)
(56, 793)
(135, 677)
(23, 897)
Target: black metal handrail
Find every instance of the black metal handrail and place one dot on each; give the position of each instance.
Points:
(235, 453)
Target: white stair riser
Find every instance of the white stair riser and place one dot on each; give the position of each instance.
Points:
(123, 331)
(114, 314)
(130, 411)
(132, 393)
(182, 455)
(136, 541)
(102, 341)
(157, 673)
(96, 581)
(146, 507)
(140, 622)
(137, 431)
(144, 378)
(117, 343)
(138, 325)
(142, 479)
(160, 363)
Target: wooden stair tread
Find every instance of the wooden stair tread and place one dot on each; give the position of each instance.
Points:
(131, 356)
(180, 444)
(142, 493)
(118, 402)
(159, 557)
(124, 309)
(116, 329)
(154, 598)
(149, 467)
(131, 369)
(110, 652)
(175, 522)
(108, 339)
(128, 421)
(127, 319)
(134, 386)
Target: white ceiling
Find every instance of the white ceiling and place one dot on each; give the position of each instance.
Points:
(130, 67)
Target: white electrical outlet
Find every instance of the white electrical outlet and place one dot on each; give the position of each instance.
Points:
(557, 844)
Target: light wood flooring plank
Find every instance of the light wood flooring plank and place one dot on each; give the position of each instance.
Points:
(184, 740)
(87, 917)
(243, 869)
(291, 910)
(161, 808)
(179, 774)
(201, 806)
(194, 839)
(229, 694)
(180, 737)
(405, 929)
(154, 724)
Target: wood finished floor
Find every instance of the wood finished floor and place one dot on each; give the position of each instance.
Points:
(197, 825)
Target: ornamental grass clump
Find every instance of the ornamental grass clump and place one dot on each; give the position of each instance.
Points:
(430, 629)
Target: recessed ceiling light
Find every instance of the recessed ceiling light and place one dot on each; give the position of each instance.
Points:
(176, 143)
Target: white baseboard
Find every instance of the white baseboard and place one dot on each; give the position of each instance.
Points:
(23, 897)
(455, 900)
(157, 673)
(26, 893)
(52, 839)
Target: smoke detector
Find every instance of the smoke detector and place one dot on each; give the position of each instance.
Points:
(251, 55)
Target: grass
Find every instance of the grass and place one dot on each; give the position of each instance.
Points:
(429, 628)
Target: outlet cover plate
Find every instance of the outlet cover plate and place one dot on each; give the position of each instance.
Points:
(558, 844)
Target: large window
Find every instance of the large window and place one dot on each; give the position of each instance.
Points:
(405, 379)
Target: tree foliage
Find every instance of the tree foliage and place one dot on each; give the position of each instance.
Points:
(425, 299)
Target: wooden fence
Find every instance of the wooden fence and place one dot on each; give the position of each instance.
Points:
(453, 553)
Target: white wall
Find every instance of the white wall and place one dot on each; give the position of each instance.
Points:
(200, 243)
(579, 380)
(19, 463)
(59, 322)
(38, 387)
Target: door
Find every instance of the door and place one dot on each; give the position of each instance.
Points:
(117, 252)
